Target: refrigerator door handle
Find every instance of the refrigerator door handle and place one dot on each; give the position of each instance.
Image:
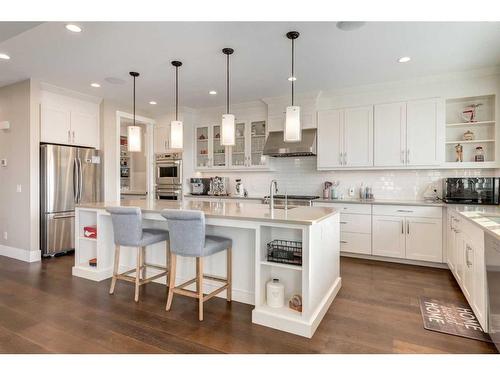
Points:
(80, 180)
(75, 180)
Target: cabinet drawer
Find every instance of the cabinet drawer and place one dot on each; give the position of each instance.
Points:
(355, 223)
(348, 208)
(408, 211)
(359, 243)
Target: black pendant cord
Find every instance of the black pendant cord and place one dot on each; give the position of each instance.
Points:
(293, 72)
(176, 93)
(134, 100)
(227, 85)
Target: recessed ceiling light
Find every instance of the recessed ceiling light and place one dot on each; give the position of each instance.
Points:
(152, 102)
(73, 28)
(212, 92)
(292, 78)
(350, 25)
(404, 59)
(3, 56)
(95, 84)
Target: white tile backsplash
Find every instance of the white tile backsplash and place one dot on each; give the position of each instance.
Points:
(299, 176)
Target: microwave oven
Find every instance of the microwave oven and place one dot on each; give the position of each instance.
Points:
(471, 190)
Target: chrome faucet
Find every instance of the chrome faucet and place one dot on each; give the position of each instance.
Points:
(272, 192)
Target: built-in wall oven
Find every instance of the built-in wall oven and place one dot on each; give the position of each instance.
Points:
(169, 176)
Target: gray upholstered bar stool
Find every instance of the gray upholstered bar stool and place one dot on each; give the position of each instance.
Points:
(128, 231)
(188, 239)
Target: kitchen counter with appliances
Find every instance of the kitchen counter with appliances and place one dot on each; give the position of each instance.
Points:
(403, 202)
(299, 246)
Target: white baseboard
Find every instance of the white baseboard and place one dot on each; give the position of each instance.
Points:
(29, 256)
(394, 260)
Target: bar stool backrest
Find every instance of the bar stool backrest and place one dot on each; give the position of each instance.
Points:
(127, 225)
(187, 232)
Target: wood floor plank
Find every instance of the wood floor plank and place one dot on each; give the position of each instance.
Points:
(44, 309)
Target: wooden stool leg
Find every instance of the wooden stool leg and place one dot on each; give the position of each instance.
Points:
(143, 263)
(115, 269)
(229, 268)
(138, 273)
(199, 286)
(167, 261)
(171, 283)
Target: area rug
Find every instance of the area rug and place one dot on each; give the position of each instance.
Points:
(452, 318)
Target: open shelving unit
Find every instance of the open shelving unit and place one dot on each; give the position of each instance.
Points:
(483, 127)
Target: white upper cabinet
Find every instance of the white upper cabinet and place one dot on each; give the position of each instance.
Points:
(422, 132)
(407, 133)
(330, 138)
(345, 138)
(358, 136)
(69, 121)
(389, 135)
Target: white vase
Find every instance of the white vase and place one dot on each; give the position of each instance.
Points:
(275, 293)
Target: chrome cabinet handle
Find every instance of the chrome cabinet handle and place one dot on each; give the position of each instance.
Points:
(342, 241)
(343, 222)
(69, 136)
(407, 227)
(73, 132)
(402, 156)
(340, 158)
(467, 259)
(402, 227)
(405, 211)
(408, 156)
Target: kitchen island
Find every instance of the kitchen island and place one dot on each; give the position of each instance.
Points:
(252, 227)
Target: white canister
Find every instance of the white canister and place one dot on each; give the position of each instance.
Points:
(275, 293)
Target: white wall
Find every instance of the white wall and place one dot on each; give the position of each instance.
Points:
(19, 145)
(299, 175)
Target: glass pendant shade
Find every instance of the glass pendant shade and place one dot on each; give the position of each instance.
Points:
(176, 134)
(134, 139)
(292, 131)
(228, 130)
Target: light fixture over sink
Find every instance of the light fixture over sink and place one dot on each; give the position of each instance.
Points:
(292, 131)
(176, 128)
(227, 127)
(134, 131)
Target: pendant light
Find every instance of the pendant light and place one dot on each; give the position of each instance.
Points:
(134, 131)
(228, 127)
(292, 132)
(176, 130)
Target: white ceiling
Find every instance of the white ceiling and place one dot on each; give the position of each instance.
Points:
(326, 57)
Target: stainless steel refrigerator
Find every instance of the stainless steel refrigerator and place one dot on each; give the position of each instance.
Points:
(68, 176)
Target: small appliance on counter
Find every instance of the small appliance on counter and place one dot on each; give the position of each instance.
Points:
(471, 190)
(239, 189)
(327, 190)
(219, 186)
(199, 186)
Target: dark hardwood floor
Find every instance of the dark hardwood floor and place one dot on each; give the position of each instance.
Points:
(43, 309)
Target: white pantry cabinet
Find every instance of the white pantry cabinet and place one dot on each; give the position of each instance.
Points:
(68, 121)
(408, 232)
(345, 138)
(407, 133)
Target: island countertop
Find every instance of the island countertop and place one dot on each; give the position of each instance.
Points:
(304, 215)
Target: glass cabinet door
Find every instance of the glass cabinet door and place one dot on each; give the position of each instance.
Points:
(257, 141)
(219, 151)
(202, 158)
(238, 157)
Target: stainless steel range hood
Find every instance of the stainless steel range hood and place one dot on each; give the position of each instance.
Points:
(276, 147)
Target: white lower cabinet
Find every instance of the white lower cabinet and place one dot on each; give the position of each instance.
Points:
(465, 258)
(388, 236)
(400, 232)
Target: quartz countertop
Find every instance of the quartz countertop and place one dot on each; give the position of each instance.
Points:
(402, 202)
(228, 210)
(197, 196)
(485, 216)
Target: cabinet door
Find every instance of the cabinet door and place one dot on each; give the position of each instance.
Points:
(85, 129)
(388, 236)
(389, 134)
(468, 269)
(422, 132)
(55, 125)
(424, 239)
(450, 243)
(276, 123)
(330, 138)
(219, 152)
(358, 137)
(239, 157)
(162, 138)
(202, 147)
(479, 292)
(257, 137)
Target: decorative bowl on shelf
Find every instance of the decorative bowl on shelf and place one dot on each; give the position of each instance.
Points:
(468, 136)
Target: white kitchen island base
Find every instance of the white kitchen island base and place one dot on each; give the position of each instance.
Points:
(251, 227)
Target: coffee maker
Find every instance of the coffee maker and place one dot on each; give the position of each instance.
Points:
(199, 186)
